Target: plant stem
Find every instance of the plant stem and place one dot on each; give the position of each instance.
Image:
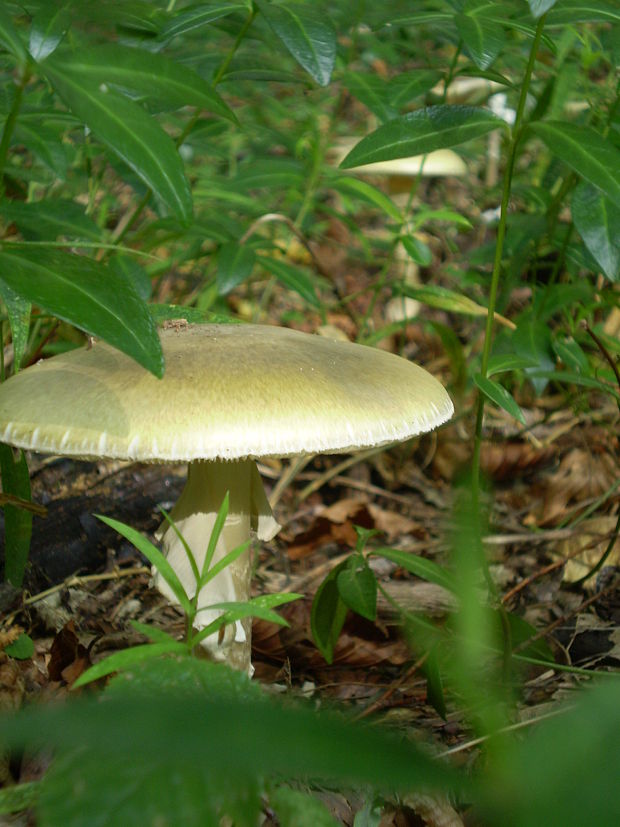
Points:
(499, 249)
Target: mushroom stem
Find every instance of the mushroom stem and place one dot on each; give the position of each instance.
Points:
(194, 515)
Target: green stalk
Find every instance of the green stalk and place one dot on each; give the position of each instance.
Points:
(499, 250)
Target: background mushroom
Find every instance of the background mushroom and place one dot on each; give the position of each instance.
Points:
(230, 394)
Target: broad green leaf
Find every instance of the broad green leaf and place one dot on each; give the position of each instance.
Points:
(128, 131)
(422, 18)
(196, 16)
(532, 341)
(420, 566)
(539, 7)
(372, 91)
(50, 218)
(328, 614)
(292, 277)
(20, 649)
(49, 26)
(593, 157)
(571, 378)
(508, 361)
(483, 38)
(45, 144)
(17, 521)
(407, 86)
(127, 658)
(365, 191)
(307, 33)
(436, 127)
(357, 586)
(129, 269)
(500, 396)
(443, 215)
(578, 11)
(417, 250)
(435, 296)
(235, 263)
(151, 74)
(597, 220)
(10, 38)
(564, 770)
(87, 294)
(155, 558)
(571, 355)
(295, 808)
(18, 311)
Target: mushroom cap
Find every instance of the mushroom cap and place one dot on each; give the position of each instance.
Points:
(440, 162)
(229, 392)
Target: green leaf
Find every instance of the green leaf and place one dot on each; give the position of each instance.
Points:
(19, 797)
(129, 132)
(434, 684)
(50, 218)
(49, 26)
(578, 11)
(417, 250)
(17, 521)
(532, 341)
(425, 130)
(539, 7)
(127, 658)
(88, 295)
(44, 144)
(503, 362)
(597, 220)
(151, 74)
(571, 378)
(419, 566)
(235, 263)
(154, 556)
(307, 33)
(154, 634)
(328, 614)
(357, 586)
(571, 354)
(483, 37)
(364, 190)
(441, 297)
(546, 777)
(129, 269)
(298, 809)
(18, 311)
(292, 277)
(407, 86)
(593, 157)
(372, 91)
(194, 17)
(10, 38)
(20, 649)
(500, 396)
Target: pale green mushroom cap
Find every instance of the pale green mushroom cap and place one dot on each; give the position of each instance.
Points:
(229, 392)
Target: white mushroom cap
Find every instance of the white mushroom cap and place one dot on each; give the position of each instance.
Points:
(229, 392)
(441, 162)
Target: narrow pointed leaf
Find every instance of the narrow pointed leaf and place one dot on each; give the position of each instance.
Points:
(292, 277)
(18, 311)
(500, 396)
(436, 127)
(194, 17)
(128, 658)
(435, 296)
(419, 566)
(10, 38)
(592, 157)
(128, 131)
(49, 26)
(171, 84)
(483, 38)
(362, 189)
(328, 614)
(372, 91)
(235, 263)
(154, 556)
(539, 7)
(597, 220)
(578, 11)
(50, 218)
(87, 294)
(307, 33)
(357, 586)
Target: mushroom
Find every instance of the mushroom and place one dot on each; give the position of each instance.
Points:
(230, 395)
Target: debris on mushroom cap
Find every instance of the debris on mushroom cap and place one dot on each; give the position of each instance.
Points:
(229, 392)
